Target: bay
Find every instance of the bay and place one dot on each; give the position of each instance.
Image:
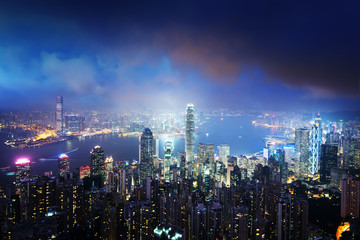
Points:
(238, 132)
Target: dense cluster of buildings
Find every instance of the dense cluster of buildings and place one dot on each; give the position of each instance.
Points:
(189, 195)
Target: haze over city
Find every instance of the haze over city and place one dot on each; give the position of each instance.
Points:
(158, 55)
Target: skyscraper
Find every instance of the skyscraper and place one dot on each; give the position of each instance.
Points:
(22, 170)
(190, 133)
(302, 149)
(350, 198)
(224, 152)
(292, 218)
(328, 161)
(59, 114)
(97, 162)
(351, 152)
(315, 145)
(146, 154)
(168, 152)
(64, 164)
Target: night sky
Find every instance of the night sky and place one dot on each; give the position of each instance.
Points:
(263, 55)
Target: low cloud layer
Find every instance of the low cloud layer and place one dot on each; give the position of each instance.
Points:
(238, 55)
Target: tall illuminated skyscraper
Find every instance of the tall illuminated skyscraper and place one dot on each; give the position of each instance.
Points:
(315, 145)
(59, 114)
(168, 152)
(190, 133)
(302, 149)
(22, 170)
(97, 162)
(146, 154)
(64, 165)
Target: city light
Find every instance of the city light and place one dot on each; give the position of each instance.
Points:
(22, 161)
(63, 155)
(193, 120)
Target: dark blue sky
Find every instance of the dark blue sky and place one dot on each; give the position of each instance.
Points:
(272, 55)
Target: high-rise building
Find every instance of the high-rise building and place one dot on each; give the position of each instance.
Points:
(351, 152)
(328, 161)
(22, 170)
(230, 167)
(109, 174)
(205, 160)
(190, 133)
(350, 197)
(224, 152)
(239, 222)
(168, 153)
(302, 150)
(64, 164)
(59, 114)
(292, 218)
(315, 146)
(97, 163)
(146, 150)
(199, 221)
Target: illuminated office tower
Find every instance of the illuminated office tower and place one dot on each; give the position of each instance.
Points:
(351, 152)
(220, 172)
(146, 154)
(205, 159)
(190, 133)
(42, 195)
(109, 174)
(224, 152)
(315, 146)
(230, 168)
(59, 114)
(22, 170)
(302, 150)
(97, 162)
(64, 165)
(168, 152)
(182, 160)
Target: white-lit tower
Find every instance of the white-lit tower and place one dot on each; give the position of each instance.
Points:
(168, 152)
(59, 114)
(190, 133)
(315, 145)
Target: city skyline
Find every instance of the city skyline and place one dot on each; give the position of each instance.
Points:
(125, 56)
(179, 120)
